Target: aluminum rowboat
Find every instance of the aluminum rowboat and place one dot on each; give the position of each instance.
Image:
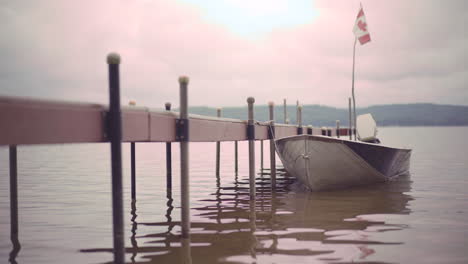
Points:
(325, 163)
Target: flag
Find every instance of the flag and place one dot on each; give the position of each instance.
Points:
(360, 28)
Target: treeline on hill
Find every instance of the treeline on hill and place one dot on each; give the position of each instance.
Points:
(385, 115)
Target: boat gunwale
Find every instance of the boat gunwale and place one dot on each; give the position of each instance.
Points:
(337, 140)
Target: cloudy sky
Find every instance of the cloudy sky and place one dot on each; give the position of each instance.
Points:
(232, 49)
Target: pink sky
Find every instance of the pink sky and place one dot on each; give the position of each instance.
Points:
(56, 49)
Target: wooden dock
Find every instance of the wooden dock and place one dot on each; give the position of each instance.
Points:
(31, 121)
(26, 121)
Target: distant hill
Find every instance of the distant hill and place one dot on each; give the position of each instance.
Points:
(385, 115)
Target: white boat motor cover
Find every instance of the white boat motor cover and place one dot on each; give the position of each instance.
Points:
(366, 128)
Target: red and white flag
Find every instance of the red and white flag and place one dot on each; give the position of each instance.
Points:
(360, 28)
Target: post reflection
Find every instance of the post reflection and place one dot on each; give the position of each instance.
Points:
(186, 251)
(253, 228)
(16, 248)
(170, 208)
(133, 240)
(284, 221)
(218, 197)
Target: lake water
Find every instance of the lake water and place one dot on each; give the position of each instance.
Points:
(65, 208)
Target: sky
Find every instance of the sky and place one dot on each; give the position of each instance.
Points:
(232, 49)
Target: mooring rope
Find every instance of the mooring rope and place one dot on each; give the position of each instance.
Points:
(272, 132)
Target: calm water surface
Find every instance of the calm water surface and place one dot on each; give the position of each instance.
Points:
(65, 208)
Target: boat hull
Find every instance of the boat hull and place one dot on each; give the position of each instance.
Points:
(324, 163)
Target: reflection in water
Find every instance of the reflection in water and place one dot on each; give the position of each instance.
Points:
(284, 224)
(170, 207)
(16, 248)
(186, 251)
(253, 228)
(134, 229)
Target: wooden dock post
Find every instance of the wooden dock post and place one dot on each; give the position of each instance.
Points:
(133, 164)
(168, 156)
(133, 169)
(114, 130)
(299, 119)
(236, 158)
(271, 108)
(350, 131)
(13, 193)
(338, 128)
(261, 155)
(184, 157)
(297, 112)
(309, 130)
(285, 111)
(218, 147)
(186, 256)
(14, 226)
(251, 138)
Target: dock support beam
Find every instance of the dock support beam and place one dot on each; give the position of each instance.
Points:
(184, 159)
(14, 205)
(261, 155)
(251, 137)
(133, 164)
(236, 158)
(299, 119)
(338, 128)
(13, 192)
(350, 131)
(297, 112)
(133, 169)
(115, 135)
(285, 111)
(271, 108)
(218, 148)
(168, 157)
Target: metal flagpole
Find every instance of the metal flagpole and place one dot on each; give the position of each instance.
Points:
(354, 99)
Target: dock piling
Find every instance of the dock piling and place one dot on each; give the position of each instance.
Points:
(184, 158)
(309, 130)
(168, 156)
(261, 155)
(236, 159)
(338, 128)
(13, 192)
(218, 147)
(14, 226)
(297, 112)
(251, 138)
(350, 131)
(299, 119)
(271, 108)
(133, 163)
(133, 169)
(114, 130)
(285, 111)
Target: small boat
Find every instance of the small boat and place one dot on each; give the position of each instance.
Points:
(328, 163)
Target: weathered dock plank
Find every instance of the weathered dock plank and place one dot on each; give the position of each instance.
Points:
(285, 130)
(26, 121)
(135, 125)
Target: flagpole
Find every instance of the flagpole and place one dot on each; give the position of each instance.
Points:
(352, 87)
